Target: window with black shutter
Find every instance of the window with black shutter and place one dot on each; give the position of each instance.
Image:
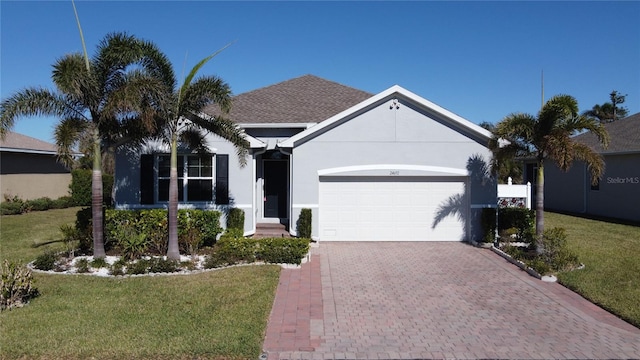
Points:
(147, 179)
(222, 179)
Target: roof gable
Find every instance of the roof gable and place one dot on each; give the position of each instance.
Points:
(306, 99)
(465, 126)
(624, 136)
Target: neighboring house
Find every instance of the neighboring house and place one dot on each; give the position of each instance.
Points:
(390, 166)
(617, 194)
(29, 169)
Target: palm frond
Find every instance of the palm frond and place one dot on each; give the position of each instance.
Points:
(595, 162)
(196, 68)
(35, 102)
(516, 127)
(67, 135)
(206, 91)
(227, 130)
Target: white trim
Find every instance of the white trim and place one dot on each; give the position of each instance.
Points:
(419, 168)
(242, 206)
(483, 206)
(275, 125)
(390, 92)
(310, 206)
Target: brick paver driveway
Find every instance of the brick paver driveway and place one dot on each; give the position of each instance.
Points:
(433, 300)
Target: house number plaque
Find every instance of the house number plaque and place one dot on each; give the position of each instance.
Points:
(394, 172)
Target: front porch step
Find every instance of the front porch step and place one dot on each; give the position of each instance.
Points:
(271, 230)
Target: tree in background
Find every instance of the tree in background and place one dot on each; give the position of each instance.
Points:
(548, 136)
(609, 111)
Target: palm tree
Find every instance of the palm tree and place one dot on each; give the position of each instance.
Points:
(104, 98)
(609, 111)
(181, 112)
(549, 137)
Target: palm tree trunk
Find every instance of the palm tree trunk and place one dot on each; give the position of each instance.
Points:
(173, 250)
(96, 199)
(540, 207)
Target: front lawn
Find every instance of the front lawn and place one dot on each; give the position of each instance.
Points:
(219, 314)
(611, 254)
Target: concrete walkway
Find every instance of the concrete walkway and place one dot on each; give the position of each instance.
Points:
(433, 301)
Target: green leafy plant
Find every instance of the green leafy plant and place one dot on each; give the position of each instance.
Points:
(283, 250)
(46, 261)
(556, 252)
(162, 265)
(99, 263)
(303, 224)
(190, 241)
(16, 287)
(117, 268)
(138, 267)
(235, 219)
(153, 222)
(82, 266)
(132, 243)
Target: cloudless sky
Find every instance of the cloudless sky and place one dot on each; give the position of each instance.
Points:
(481, 60)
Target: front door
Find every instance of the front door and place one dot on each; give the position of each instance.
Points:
(275, 188)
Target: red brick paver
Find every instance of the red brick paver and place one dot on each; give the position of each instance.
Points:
(432, 301)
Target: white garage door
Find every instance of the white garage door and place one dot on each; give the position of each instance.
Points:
(404, 209)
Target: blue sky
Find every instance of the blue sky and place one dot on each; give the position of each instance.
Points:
(481, 60)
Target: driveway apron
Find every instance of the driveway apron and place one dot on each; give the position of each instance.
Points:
(400, 300)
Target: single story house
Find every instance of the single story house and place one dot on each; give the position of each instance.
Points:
(617, 194)
(29, 169)
(391, 166)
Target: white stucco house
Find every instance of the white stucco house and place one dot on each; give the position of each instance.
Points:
(391, 166)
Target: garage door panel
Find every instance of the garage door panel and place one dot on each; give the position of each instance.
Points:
(402, 210)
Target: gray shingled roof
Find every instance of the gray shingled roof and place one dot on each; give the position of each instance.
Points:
(624, 136)
(14, 141)
(306, 99)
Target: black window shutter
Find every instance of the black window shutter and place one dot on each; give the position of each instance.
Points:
(222, 179)
(146, 179)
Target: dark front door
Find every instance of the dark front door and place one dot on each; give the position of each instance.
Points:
(275, 189)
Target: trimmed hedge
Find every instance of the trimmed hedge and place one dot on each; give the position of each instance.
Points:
(303, 226)
(80, 187)
(203, 224)
(235, 219)
(233, 249)
(17, 206)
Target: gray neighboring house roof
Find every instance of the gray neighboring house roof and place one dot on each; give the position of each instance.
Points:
(305, 99)
(624, 136)
(14, 142)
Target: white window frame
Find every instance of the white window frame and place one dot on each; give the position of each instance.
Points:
(185, 177)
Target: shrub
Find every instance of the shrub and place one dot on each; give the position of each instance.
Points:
(521, 219)
(80, 187)
(283, 250)
(155, 224)
(62, 202)
(82, 266)
(555, 252)
(99, 263)
(46, 261)
(207, 221)
(13, 206)
(190, 241)
(162, 265)
(16, 286)
(303, 225)
(235, 219)
(84, 226)
(231, 250)
(70, 235)
(138, 267)
(41, 204)
(117, 268)
(131, 242)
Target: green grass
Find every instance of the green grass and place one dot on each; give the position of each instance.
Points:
(24, 237)
(611, 254)
(214, 315)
